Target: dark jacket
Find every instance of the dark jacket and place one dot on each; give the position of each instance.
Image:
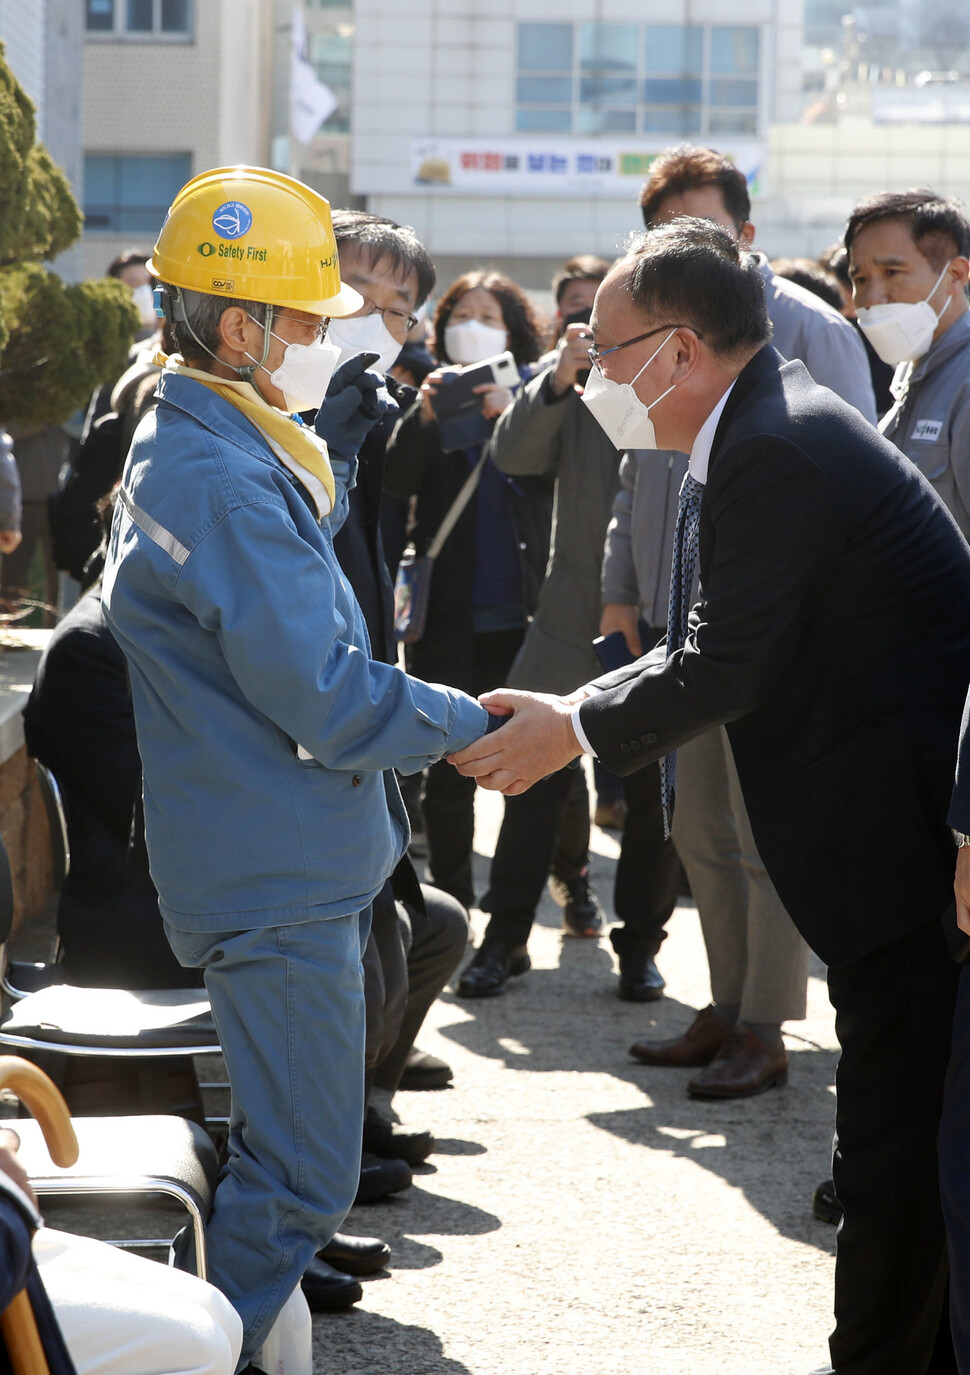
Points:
(833, 638)
(359, 543)
(79, 721)
(418, 467)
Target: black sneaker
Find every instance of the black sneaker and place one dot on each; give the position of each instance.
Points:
(581, 912)
(379, 1178)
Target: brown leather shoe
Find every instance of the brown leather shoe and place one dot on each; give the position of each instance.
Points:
(697, 1046)
(744, 1065)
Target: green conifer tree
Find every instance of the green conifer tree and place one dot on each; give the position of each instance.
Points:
(57, 342)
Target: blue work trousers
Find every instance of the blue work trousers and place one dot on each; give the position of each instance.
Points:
(288, 1005)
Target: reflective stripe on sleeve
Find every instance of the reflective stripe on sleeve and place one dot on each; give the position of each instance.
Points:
(155, 532)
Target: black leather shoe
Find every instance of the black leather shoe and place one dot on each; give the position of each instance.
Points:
(355, 1255)
(326, 1289)
(392, 1142)
(581, 912)
(640, 979)
(491, 965)
(378, 1178)
(424, 1071)
(825, 1205)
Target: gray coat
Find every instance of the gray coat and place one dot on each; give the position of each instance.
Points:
(930, 422)
(805, 327)
(542, 436)
(636, 565)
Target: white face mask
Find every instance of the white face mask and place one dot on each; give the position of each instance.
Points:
(144, 299)
(305, 372)
(365, 334)
(901, 331)
(623, 416)
(473, 342)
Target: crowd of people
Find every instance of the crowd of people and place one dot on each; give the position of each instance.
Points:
(668, 534)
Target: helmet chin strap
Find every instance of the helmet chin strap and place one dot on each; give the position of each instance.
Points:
(248, 373)
(181, 315)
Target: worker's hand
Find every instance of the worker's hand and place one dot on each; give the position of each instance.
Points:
(572, 359)
(537, 739)
(9, 540)
(961, 888)
(10, 1164)
(355, 401)
(621, 616)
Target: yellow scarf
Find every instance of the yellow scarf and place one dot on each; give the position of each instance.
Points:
(298, 448)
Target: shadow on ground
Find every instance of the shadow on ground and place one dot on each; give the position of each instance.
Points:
(523, 1030)
(361, 1343)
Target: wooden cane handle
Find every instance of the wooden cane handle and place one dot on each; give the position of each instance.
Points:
(46, 1103)
(20, 1335)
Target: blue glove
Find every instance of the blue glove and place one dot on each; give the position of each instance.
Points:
(355, 401)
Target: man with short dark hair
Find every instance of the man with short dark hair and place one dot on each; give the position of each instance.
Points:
(758, 963)
(703, 182)
(419, 933)
(574, 289)
(909, 261)
(832, 638)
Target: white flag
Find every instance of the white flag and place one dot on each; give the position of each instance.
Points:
(311, 102)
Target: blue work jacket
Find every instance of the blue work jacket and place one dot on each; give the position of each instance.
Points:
(267, 733)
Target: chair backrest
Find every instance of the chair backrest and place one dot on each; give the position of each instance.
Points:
(50, 791)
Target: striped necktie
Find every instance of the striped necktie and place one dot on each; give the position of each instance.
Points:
(678, 610)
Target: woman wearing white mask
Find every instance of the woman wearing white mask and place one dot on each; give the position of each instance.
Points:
(487, 577)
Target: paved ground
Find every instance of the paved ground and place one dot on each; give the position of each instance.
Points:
(582, 1215)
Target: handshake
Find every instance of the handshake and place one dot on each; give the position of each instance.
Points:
(534, 739)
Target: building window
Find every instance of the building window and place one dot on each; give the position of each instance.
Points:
(608, 79)
(131, 195)
(332, 58)
(157, 20)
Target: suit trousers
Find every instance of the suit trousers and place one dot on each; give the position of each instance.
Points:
(449, 798)
(648, 870)
(893, 1018)
(757, 958)
(545, 829)
(954, 1173)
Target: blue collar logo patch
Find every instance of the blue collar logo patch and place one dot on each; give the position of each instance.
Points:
(232, 220)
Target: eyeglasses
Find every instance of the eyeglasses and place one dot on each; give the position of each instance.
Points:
(389, 314)
(596, 354)
(319, 330)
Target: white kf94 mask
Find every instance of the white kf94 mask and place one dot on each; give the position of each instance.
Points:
(473, 342)
(305, 372)
(902, 331)
(620, 412)
(365, 334)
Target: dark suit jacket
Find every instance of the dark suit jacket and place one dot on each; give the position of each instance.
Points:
(833, 639)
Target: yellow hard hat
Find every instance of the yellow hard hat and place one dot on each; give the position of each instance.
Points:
(255, 234)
